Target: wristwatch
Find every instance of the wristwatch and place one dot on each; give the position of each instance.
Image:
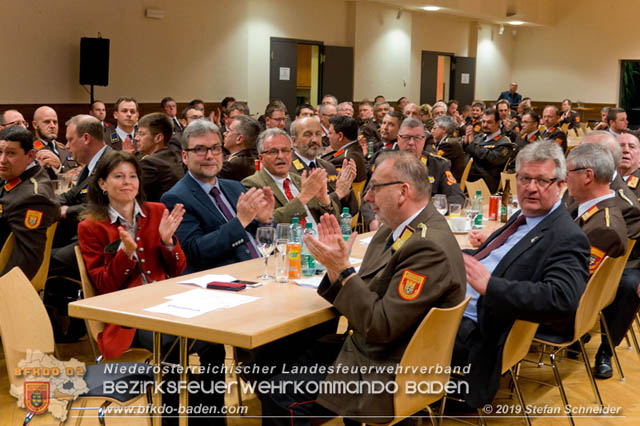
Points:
(345, 274)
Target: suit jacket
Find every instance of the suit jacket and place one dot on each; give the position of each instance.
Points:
(238, 165)
(207, 239)
(110, 269)
(352, 152)
(27, 208)
(285, 210)
(541, 279)
(384, 312)
(160, 171)
(489, 159)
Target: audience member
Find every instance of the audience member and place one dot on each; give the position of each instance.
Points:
(170, 107)
(240, 140)
(126, 115)
(617, 120)
(12, 117)
(448, 146)
(553, 132)
(629, 168)
(305, 110)
(346, 109)
(511, 95)
(99, 111)
(275, 115)
(569, 116)
(50, 153)
(343, 135)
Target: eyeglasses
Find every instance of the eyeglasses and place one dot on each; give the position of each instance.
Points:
(407, 138)
(541, 183)
(201, 150)
(278, 119)
(285, 151)
(375, 186)
(17, 123)
(576, 169)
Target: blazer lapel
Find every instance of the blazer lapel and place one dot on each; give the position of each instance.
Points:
(279, 196)
(376, 257)
(204, 199)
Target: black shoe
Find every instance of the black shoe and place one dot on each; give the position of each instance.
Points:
(603, 369)
(573, 351)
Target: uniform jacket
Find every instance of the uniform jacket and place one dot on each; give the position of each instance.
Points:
(352, 152)
(239, 165)
(556, 135)
(207, 239)
(384, 312)
(27, 208)
(572, 119)
(285, 210)
(160, 171)
(110, 269)
(113, 140)
(541, 279)
(66, 161)
(451, 149)
(489, 159)
(633, 183)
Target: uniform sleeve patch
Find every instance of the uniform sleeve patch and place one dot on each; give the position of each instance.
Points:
(450, 179)
(411, 285)
(594, 260)
(32, 219)
(477, 128)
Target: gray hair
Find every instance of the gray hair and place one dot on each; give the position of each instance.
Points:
(543, 151)
(607, 140)
(409, 169)
(293, 128)
(381, 103)
(87, 124)
(411, 123)
(446, 122)
(334, 100)
(270, 133)
(323, 107)
(342, 105)
(593, 156)
(439, 104)
(199, 127)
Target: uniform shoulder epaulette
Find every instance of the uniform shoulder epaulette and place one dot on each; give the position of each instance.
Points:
(298, 164)
(407, 232)
(624, 197)
(431, 154)
(589, 213)
(60, 145)
(12, 184)
(337, 154)
(35, 185)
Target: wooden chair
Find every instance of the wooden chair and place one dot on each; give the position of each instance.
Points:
(589, 308)
(479, 185)
(572, 133)
(465, 174)
(513, 185)
(565, 127)
(431, 345)
(581, 131)
(40, 278)
(357, 188)
(95, 327)
(25, 326)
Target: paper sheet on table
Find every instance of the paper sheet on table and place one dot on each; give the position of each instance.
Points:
(366, 241)
(313, 282)
(200, 301)
(355, 260)
(206, 279)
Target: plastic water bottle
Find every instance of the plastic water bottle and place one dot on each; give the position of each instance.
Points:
(370, 147)
(477, 211)
(294, 248)
(308, 263)
(345, 223)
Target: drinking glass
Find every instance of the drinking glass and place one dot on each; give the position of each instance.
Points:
(455, 210)
(282, 261)
(440, 203)
(283, 231)
(265, 241)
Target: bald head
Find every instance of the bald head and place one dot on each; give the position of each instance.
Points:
(45, 123)
(307, 137)
(607, 140)
(12, 117)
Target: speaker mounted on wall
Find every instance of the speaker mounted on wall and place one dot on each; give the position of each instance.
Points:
(94, 61)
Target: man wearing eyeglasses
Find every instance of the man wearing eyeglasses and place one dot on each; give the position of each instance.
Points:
(275, 115)
(305, 196)
(534, 268)
(12, 117)
(412, 264)
(220, 216)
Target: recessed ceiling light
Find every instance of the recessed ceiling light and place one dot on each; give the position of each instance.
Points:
(431, 8)
(516, 22)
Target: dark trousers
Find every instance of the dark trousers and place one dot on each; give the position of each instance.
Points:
(210, 354)
(620, 313)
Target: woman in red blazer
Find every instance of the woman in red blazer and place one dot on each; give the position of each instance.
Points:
(125, 241)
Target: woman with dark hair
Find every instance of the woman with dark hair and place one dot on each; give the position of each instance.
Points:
(125, 241)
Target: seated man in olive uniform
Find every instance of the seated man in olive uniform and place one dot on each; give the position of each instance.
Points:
(490, 151)
(27, 202)
(50, 153)
(569, 116)
(240, 140)
(629, 168)
(343, 139)
(412, 264)
(447, 146)
(553, 132)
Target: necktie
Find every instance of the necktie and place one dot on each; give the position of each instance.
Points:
(83, 175)
(178, 126)
(389, 242)
(215, 193)
(312, 165)
(287, 189)
(500, 239)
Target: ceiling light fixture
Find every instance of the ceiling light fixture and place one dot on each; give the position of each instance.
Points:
(431, 8)
(516, 22)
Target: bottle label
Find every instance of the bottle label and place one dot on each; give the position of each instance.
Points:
(293, 250)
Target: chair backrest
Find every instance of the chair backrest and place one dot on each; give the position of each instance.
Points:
(614, 280)
(479, 185)
(593, 296)
(465, 174)
(40, 278)
(572, 132)
(564, 127)
(7, 249)
(513, 185)
(580, 131)
(358, 187)
(94, 327)
(24, 323)
(430, 346)
(518, 342)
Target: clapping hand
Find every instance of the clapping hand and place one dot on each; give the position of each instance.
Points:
(330, 249)
(345, 178)
(129, 246)
(169, 223)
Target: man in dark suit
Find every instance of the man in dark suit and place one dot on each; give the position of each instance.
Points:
(126, 114)
(343, 135)
(161, 168)
(99, 111)
(534, 268)
(169, 107)
(220, 216)
(240, 140)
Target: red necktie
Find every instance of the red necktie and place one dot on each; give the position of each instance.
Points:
(287, 189)
(500, 239)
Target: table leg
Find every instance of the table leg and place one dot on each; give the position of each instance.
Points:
(157, 357)
(184, 377)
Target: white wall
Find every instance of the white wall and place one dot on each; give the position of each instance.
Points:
(494, 61)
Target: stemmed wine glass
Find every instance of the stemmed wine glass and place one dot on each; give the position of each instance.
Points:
(265, 240)
(440, 203)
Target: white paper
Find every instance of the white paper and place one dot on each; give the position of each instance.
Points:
(313, 282)
(355, 260)
(206, 279)
(464, 78)
(366, 241)
(200, 301)
(285, 73)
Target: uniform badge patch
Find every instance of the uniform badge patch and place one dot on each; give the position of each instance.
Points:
(559, 141)
(440, 152)
(1, 209)
(36, 396)
(38, 145)
(298, 164)
(406, 234)
(12, 184)
(32, 219)
(450, 179)
(431, 179)
(337, 154)
(587, 215)
(477, 128)
(594, 260)
(632, 182)
(411, 285)
(332, 178)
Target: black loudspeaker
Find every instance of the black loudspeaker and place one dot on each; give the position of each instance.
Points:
(94, 61)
